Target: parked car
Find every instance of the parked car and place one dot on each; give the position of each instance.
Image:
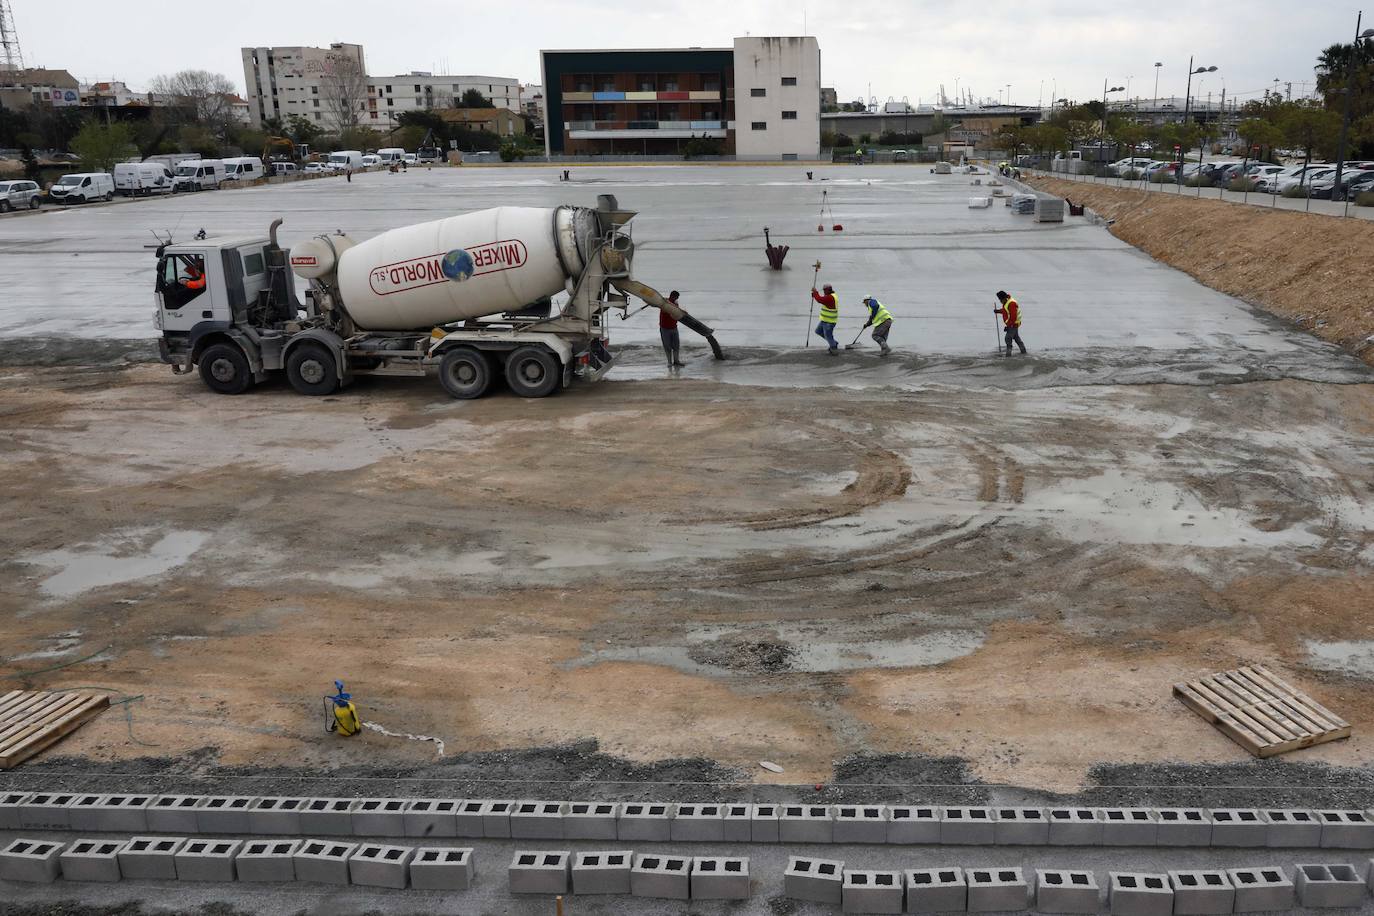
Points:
(1264, 176)
(284, 168)
(413, 159)
(391, 155)
(345, 160)
(242, 168)
(20, 194)
(1302, 175)
(900, 155)
(1325, 188)
(82, 187)
(1129, 164)
(314, 168)
(371, 159)
(134, 178)
(197, 175)
(1362, 185)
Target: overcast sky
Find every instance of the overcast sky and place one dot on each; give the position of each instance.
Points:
(901, 48)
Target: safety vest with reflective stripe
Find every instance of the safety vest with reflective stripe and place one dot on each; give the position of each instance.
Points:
(1011, 313)
(879, 312)
(830, 307)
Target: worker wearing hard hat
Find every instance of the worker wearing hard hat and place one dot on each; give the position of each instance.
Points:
(195, 277)
(1010, 311)
(830, 315)
(880, 319)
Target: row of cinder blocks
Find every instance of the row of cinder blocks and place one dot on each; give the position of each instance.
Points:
(180, 858)
(623, 872)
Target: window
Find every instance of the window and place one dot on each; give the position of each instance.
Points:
(710, 84)
(789, 155)
(645, 82)
(789, 81)
(670, 84)
(388, 103)
(417, 87)
(789, 116)
(758, 125)
(317, 116)
(757, 93)
(388, 90)
(252, 264)
(314, 90)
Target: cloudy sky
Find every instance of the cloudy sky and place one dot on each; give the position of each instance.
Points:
(899, 49)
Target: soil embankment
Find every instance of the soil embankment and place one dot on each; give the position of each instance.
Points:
(1313, 270)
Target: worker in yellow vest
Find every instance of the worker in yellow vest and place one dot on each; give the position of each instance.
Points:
(880, 319)
(830, 315)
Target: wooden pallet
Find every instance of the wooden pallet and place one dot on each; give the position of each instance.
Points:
(30, 720)
(1259, 711)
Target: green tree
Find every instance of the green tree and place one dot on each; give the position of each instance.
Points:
(302, 130)
(193, 138)
(1310, 128)
(472, 98)
(360, 138)
(101, 146)
(31, 170)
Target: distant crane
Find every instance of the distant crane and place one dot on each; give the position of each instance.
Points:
(11, 57)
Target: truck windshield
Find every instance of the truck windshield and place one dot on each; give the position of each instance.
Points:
(186, 170)
(337, 158)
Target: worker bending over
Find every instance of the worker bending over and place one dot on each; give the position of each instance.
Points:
(1011, 321)
(668, 333)
(830, 315)
(880, 319)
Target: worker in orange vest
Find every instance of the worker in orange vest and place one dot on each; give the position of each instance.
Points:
(195, 277)
(1010, 311)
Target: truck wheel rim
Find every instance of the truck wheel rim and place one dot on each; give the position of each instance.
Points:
(222, 370)
(312, 372)
(464, 374)
(531, 371)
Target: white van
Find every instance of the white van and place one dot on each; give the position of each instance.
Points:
(284, 168)
(197, 175)
(344, 160)
(391, 155)
(134, 178)
(242, 168)
(82, 187)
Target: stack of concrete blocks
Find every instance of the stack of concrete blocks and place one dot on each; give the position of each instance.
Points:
(697, 824)
(720, 878)
(91, 860)
(543, 872)
(46, 811)
(590, 821)
(1183, 827)
(1323, 886)
(276, 815)
(431, 817)
(323, 861)
(738, 823)
(1049, 209)
(872, 892)
(1066, 891)
(150, 857)
(1261, 889)
(1202, 893)
(647, 822)
(496, 819)
(378, 817)
(860, 824)
(267, 860)
(817, 880)
(667, 877)
(537, 820)
(36, 861)
(979, 203)
(1129, 827)
(1239, 827)
(764, 823)
(1291, 828)
(1137, 894)
(1022, 827)
(208, 860)
(1075, 827)
(606, 872)
(936, 890)
(224, 814)
(442, 868)
(1346, 830)
(82, 815)
(964, 826)
(995, 889)
(173, 814)
(467, 819)
(911, 825)
(806, 824)
(376, 865)
(10, 805)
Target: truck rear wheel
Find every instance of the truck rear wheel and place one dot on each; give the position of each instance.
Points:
(533, 372)
(465, 373)
(224, 369)
(311, 370)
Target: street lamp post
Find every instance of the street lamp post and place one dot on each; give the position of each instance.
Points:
(1102, 137)
(1157, 66)
(1187, 106)
(1349, 92)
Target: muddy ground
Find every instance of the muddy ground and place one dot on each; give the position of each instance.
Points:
(692, 575)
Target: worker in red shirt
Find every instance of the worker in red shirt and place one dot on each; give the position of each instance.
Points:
(830, 314)
(1011, 320)
(668, 333)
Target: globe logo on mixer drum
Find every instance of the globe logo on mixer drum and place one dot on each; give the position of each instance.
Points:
(457, 265)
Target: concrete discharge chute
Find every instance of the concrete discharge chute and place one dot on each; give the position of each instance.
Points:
(651, 296)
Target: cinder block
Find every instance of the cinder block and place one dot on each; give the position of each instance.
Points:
(537, 820)
(763, 823)
(995, 889)
(376, 865)
(467, 819)
(1066, 891)
(910, 825)
(10, 804)
(91, 860)
(276, 815)
(1346, 830)
(1292, 828)
(31, 860)
(605, 872)
(173, 814)
(442, 868)
(644, 821)
(496, 818)
(542, 872)
(207, 860)
(46, 811)
(122, 813)
(1370, 873)
(82, 815)
(1075, 827)
(323, 861)
(963, 826)
(1183, 827)
(860, 824)
(818, 880)
(1323, 886)
(224, 814)
(267, 860)
(1202, 893)
(1137, 894)
(936, 890)
(431, 817)
(1129, 827)
(872, 892)
(1239, 827)
(737, 825)
(720, 878)
(668, 877)
(1022, 827)
(378, 817)
(150, 857)
(806, 824)
(1260, 889)
(327, 817)
(590, 821)
(697, 824)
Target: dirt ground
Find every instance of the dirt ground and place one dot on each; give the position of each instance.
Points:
(685, 569)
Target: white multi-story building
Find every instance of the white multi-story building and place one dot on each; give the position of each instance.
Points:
(289, 81)
(390, 96)
(777, 98)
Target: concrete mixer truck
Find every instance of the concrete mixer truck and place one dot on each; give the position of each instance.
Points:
(470, 296)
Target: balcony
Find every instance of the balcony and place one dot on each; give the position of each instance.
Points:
(644, 130)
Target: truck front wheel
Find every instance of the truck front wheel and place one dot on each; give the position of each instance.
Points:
(310, 369)
(224, 369)
(465, 373)
(533, 372)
